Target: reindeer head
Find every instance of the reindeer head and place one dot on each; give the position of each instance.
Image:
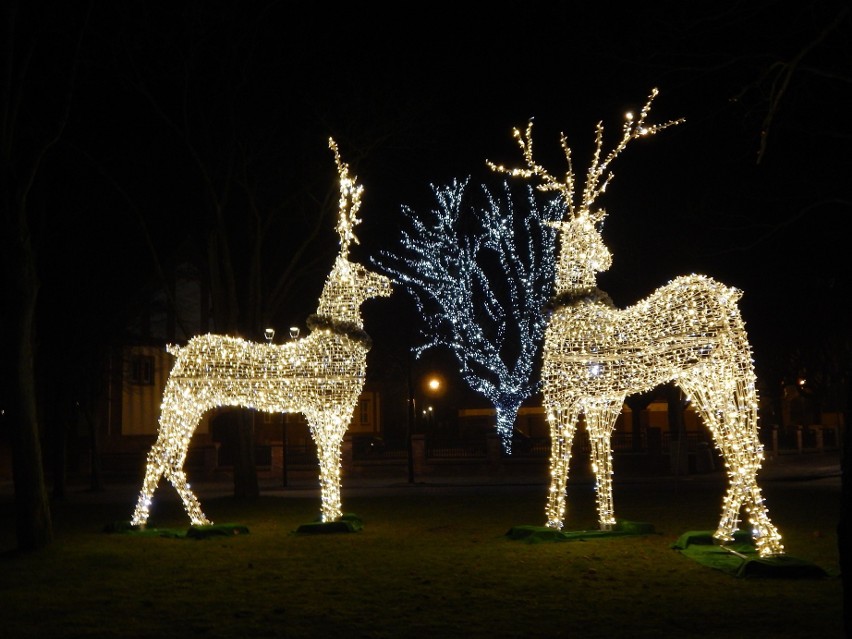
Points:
(583, 253)
(349, 284)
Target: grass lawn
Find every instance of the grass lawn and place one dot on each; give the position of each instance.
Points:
(429, 562)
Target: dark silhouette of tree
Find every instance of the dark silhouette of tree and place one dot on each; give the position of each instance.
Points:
(251, 160)
(638, 402)
(818, 65)
(39, 79)
(256, 225)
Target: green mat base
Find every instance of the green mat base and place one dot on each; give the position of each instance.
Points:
(538, 534)
(740, 559)
(193, 532)
(346, 524)
(216, 530)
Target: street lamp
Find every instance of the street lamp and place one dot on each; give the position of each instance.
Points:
(432, 388)
(433, 384)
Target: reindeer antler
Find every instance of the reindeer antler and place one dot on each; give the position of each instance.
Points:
(350, 202)
(524, 141)
(598, 175)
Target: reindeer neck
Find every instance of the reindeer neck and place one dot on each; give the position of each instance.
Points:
(339, 304)
(340, 300)
(339, 312)
(573, 280)
(575, 298)
(351, 330)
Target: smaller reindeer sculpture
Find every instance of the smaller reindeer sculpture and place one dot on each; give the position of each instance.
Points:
(688, 332)
(320, 375)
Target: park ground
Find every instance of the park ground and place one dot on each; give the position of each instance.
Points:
(433, 558)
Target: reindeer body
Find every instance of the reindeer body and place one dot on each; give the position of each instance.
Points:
(619, 352)
(267, 377)
(688, 332)
(320, 375)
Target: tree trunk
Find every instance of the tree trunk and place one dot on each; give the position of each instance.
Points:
(56, 424)
(678, 448)
(33, 525)
(674, 405)
(245, 470)
(637, 403)
(844, 526)
(96, 481)
(506, 417)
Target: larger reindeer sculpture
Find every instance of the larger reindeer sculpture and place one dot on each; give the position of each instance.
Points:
(320, 375)
(688, 332)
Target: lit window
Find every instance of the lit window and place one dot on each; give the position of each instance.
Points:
(142, 370)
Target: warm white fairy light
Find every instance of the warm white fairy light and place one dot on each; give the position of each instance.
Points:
(488, 318)
(689, 332)
(320, 375)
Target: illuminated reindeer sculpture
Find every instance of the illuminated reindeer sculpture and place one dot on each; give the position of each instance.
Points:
(688, 332)
(320, 375)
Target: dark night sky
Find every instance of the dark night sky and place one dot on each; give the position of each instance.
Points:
(428, 92)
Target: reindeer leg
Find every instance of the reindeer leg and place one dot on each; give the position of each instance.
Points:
(600, 420)
(743, 461)
(735, 434)
(563, 424)
(767, 539)
(708, 399)
(166, 457)
(330, 482)
(160, 463)
(153, 471)
(185, 424)
(328, 437)
(732, 502)
(177, 478)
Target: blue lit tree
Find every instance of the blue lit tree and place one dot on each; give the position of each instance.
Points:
(480, 275)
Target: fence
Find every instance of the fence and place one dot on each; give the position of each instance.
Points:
(653, 452)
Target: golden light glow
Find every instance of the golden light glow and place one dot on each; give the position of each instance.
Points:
(688, 332)
(320, 375)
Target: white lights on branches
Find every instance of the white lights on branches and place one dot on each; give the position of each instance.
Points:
(488, 317)
(320, 375)
(688, 332)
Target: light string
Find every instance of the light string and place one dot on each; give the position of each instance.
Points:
(479, 275)
(689, 332)
(320, 375)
